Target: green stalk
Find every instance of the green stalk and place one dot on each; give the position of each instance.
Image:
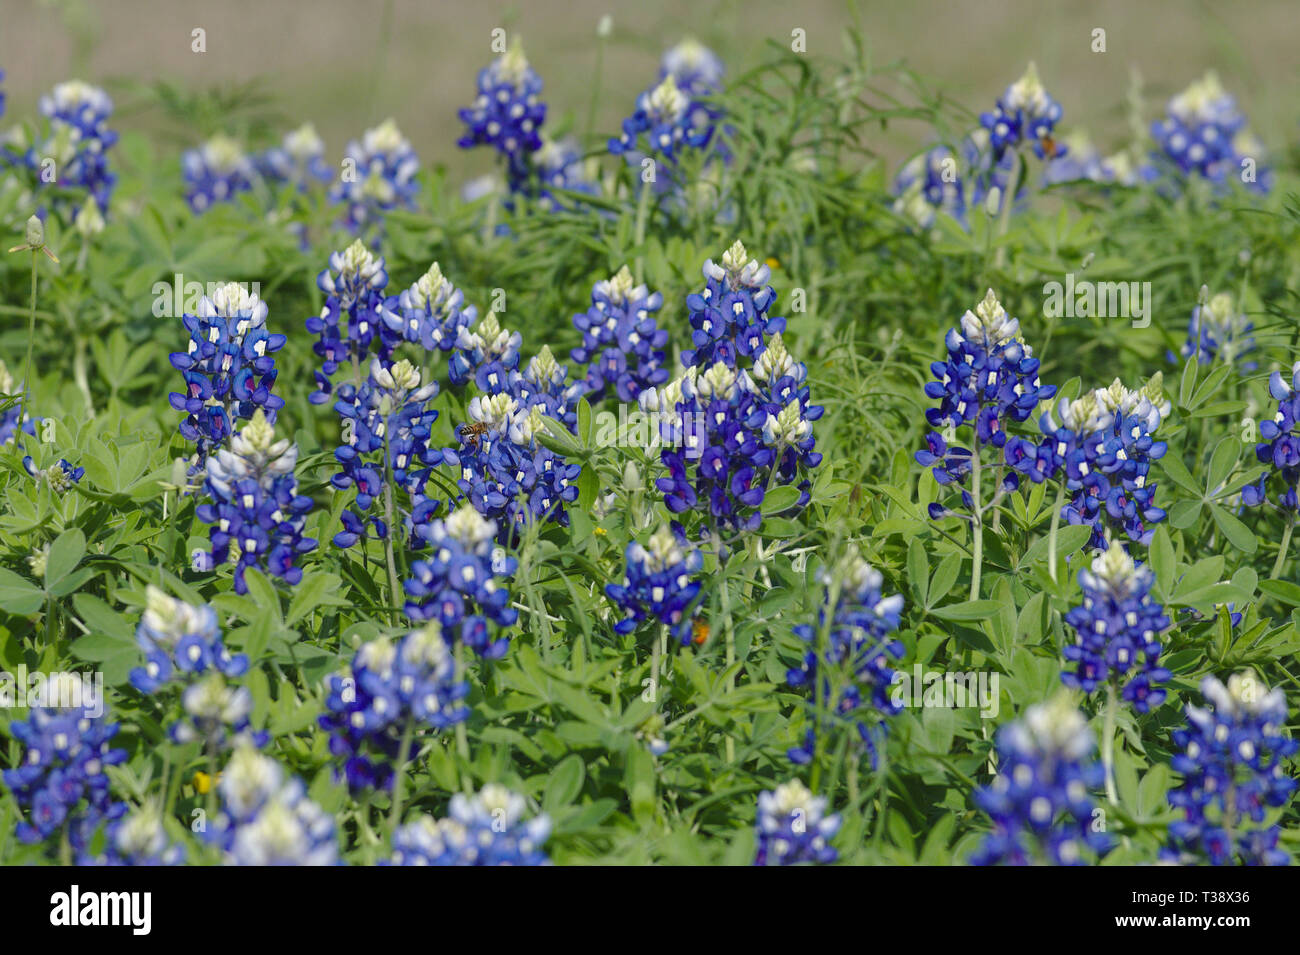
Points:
(388, 516)
(1283, 547)
(642, 213)
(657, 641)
(31, 338)
(1108, 744)
(1008, 200)
(462, 735)
(1051, 534)
(399, 782)
(977, 524)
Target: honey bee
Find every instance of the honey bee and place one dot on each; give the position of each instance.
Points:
(699, 631)
(471, 431)
(1050, 149)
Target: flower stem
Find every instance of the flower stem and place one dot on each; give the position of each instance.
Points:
(642, 213)
(656, 649)
(1051, 534)
(1008, 200)
(1108, 743)
(394, 595)
(31, 338)
(977, 524)
(730, 631)
(399, 781)
(1283, 546)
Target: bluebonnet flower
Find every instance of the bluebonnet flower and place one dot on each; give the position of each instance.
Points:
(784, 411)
(298, 161)
(729, 316)
(229, 369)
(461, 583)
(183, 647)
(78, 142)
(506, 473)
(59, 779)
(9, 417)
(216, 172)
(859, 647)
(987, 172)
(388, 417)
(544, 384)
(622, 345)
(486, 829)
(1204, 134)
(508, 112)
(267, 819)
(430, 313)
(989, 379)
(387, 692)
(1118, 625)
(558, 165)
(716, 458)
(793, 827)
(1280, 448)
(1040, 801)
(928, 184)
(1232, 767)
(486, 353)
(1103, 447)
(1024, 113)
(695, 68)
(659, 584)
(672, 117)
(378, 176)
(1217, 330)
(2, 94)
(136, 839)
(1081, 160)
(59, 476)
(351, 322)
(256, 512)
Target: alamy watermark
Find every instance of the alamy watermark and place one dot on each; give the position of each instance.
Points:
(1085, 298)
(976, 689)
(179, 297)
(631, 427)
(57, 690)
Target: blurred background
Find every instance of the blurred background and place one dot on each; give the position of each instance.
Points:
(347, 65)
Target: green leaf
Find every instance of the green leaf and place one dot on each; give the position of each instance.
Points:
(1222, 461)
(1238, 534)
(17, 595)
(564, 783)
(65, 553)
(918, 569)
(780, 498)
(1162, 558)
(1187, 382)
(969, 610)
(1283, 590)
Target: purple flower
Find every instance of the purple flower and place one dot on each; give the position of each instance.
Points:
(1232, 764)
(1117, 628)
(1040, 801)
